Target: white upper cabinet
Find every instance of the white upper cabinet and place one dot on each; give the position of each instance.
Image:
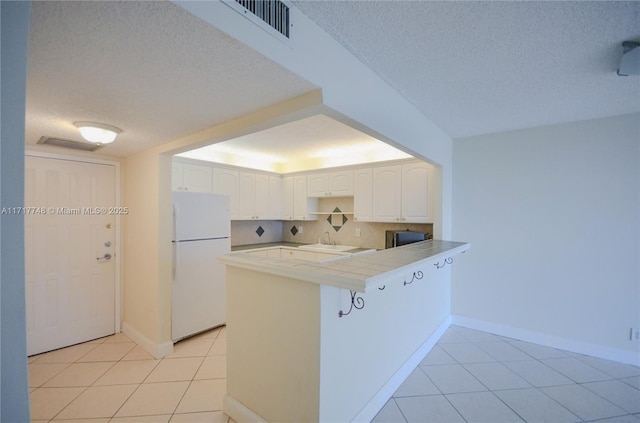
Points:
(247, 199)
(295, 203)
(302, 204)
(275, 198)
(417, 204)
(363, 195)
(262, 196)
(227, 182)
(176, 176)
(330, 184)
(287, 198)
(387, 195)
(191, 177)
(402, 193)
(254, 199)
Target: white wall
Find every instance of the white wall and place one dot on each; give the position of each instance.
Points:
(553, 214)
(14, 393)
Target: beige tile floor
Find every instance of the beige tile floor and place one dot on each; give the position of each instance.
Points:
(469, 376)
(113, 380)
(473, 376)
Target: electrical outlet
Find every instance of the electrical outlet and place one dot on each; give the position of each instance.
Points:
(357, 231)
(300, 230)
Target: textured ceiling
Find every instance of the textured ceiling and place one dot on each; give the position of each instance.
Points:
(149, 68)
(159, 73)
(490, 66)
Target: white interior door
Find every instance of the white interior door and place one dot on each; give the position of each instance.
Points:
(70, 239)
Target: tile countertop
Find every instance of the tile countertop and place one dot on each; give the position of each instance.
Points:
(357, 273)
(266, 245)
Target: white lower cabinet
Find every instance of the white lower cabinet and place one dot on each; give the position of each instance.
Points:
(297, 254)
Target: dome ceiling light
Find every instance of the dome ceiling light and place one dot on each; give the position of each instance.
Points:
(97, 133)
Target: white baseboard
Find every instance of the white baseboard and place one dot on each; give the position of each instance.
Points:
(238, 412)
(156, 350)
(586, 348)
(378, 401)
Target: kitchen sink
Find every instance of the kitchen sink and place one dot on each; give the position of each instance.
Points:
(327, 247)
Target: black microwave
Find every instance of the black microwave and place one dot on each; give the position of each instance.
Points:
(398, 238)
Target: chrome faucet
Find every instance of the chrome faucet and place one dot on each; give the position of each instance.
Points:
(328, 241)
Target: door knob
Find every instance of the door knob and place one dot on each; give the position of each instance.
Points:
(106, 257)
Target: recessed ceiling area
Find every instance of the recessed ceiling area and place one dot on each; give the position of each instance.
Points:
(315, 142)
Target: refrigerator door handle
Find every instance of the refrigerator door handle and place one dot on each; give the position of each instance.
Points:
(175, 222)
(174, 260)
(174, 244)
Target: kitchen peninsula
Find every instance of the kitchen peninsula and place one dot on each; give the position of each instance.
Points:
(331, 340)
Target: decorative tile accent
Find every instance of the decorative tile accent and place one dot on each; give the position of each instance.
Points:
(259, 231)
(294, 230)
(337, 221)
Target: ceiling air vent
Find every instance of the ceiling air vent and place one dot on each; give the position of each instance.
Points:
(271, 15)
(74, 145)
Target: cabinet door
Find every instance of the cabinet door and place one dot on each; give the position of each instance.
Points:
(302, 205)
(247, 196)
(298, 254)
(226, 182)
(287, 198)
(387, 196)
(362, 195)
(341, 183)
(317, 185)
(416, 193)
(197, 178)
(275, 198)
(176, 176)
(261, 198)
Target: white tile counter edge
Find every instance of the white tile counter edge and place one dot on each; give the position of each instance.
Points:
(356, 273)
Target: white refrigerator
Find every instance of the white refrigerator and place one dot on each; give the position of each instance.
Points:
(201, 229)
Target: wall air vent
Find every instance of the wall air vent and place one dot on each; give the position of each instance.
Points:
(74, 145)
(270, 15)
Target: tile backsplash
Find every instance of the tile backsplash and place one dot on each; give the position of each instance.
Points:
(245, 232)
(372, 235)
(341, 228)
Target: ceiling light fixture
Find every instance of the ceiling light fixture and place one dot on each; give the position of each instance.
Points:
(97, 133)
